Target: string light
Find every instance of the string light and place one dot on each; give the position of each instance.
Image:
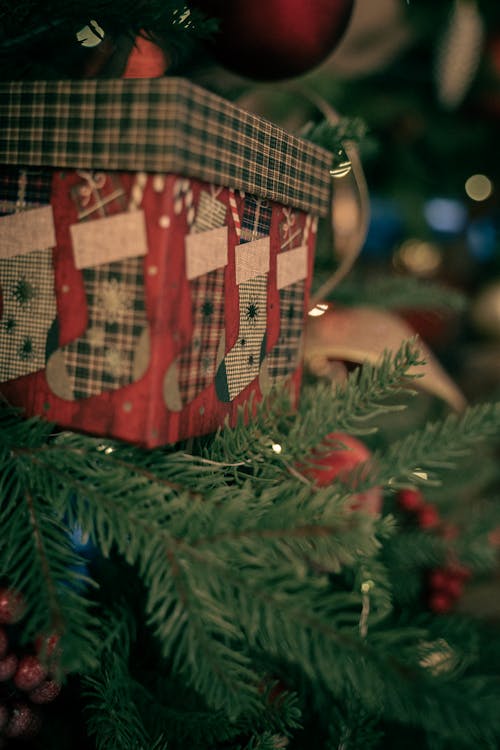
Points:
(479, 187)
(277, 448)
(320, 309)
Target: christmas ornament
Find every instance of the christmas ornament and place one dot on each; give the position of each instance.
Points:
(348, 452)
(23, 722)
(29, 674)
(11, 606)
(25, 680)
(273, 39)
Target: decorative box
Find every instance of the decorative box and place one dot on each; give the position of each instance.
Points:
(156, 249)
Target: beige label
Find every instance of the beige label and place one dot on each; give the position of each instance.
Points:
(291, 266)
(252, 259)
(109, 239)
(205, 251)
(26, 231)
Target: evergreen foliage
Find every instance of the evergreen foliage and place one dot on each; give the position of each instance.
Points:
(230, 601)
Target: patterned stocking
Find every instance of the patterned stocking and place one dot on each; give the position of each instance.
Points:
(242, 363)
(28, 315)
(292, 261)
(114, 350)
(206, 258)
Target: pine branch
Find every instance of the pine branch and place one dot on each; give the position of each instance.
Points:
(400, 292)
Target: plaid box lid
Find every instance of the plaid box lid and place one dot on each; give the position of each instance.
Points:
(159, 125)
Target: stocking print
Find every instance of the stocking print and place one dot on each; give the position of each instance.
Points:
(292, 267)
(114, 350)
(28, 310)
(241, 364)
(206, 258)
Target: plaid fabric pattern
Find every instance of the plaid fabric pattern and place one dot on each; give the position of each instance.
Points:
(26, 281)
(26, 318)
(197, 362)
(242, 362)
(256, 220)
(23, 188)
(283, 359)
(159, 125)
(103, 358)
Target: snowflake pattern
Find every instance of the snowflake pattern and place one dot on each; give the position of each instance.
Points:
(116, 364)
(114, 299)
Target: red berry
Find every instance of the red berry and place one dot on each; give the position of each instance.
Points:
(46, 692)
(439, 579)
(440, 602)
(4, 716)
(11, 606)
(428, 517)
(4, 642)
(454, 587)
(8, 667)
(30, 673)
(411, 500)
(23, 722)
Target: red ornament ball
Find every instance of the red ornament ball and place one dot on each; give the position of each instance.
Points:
(338, 463)
(275, 39)
(30, 673)
(11, 606)
(8, 667)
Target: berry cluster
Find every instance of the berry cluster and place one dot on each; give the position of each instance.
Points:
(25, 680)
(444, 584)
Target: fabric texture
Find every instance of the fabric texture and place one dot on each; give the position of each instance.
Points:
(160, 125)
(26, 280)
(113, 350)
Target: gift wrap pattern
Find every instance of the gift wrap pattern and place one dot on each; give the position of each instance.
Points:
(156, 251)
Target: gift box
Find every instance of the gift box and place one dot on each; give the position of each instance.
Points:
(156, 250)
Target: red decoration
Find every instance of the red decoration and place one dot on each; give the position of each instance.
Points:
(30, 673)
(8, 667)
(338, 463)
(46, 692)
(440, 602)
(411, 500)
(23, 722)
(273, 39)
(428, 517)
(11, 606)
(146, 60)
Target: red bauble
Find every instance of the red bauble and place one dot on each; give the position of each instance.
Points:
(338, 463)
(273, 39)
(30, 673)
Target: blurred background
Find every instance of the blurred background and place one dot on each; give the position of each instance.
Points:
(425, 79)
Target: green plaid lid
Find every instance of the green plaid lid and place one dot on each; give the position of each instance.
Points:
(159, 125)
